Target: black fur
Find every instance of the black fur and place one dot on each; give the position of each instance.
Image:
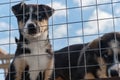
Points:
(62, 61)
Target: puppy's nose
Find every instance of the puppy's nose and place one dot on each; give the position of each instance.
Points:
(31, 26)
(114, 73)
(31, 29)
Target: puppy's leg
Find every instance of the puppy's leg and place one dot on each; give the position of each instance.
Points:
(20, 65)
(102, 71)
(48, 71)
(59, 78)
(89, 76)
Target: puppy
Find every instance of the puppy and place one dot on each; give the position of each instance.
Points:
(100, 58)
(33, 57)
(66, 62)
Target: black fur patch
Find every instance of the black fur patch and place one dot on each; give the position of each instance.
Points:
(21, 51)
(25, 50)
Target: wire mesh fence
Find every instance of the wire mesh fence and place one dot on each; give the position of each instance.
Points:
(84, 36)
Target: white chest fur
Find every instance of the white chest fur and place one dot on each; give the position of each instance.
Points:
(38, 59)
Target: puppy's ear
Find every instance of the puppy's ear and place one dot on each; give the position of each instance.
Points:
(45, 11)
(18, 8)
(16, 40)
(94, 44)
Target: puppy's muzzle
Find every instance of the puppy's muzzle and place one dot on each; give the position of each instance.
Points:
(114, 73)
(114, 70)
(31, 29)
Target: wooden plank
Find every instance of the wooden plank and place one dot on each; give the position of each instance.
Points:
(9, 56)
(3, 66)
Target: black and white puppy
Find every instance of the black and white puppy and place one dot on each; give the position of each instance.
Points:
(100, 58)
(34, 53)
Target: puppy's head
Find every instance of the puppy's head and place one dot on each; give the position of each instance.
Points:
(108, 49)
(32, 19)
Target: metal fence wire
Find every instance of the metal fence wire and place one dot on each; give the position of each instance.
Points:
(84, 39)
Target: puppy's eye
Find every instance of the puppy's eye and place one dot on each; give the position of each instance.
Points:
(25, 17)
(105, 55)
(40, 17)
(34, 16)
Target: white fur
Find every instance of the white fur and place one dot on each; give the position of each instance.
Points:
(114, 45)
(37, 59)
(115, 48)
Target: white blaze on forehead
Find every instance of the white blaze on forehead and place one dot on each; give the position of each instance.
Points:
(114, 45)
(29, 21)
(30, 13)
